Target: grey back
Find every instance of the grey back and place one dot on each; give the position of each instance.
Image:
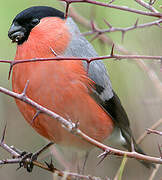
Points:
(80, 47)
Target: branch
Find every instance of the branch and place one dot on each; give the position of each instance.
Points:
(109, 5)
(123, 30)
(18, 159)
(149, 131)
(147, 6)
(71, 127)
(111, 56)
(154, 126)
(88, 60)
(154, 172)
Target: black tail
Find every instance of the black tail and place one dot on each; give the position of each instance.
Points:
(128, 146)
(114, 107)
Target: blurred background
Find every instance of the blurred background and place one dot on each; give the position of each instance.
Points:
(137, 83)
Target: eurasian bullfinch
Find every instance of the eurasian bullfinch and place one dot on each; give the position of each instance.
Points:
(64, 86)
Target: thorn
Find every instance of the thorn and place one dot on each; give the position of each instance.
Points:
(10, 70)
(158, 24)
(3, 134)
(67, 9)
(132, 145)
(88, 65)
(95, 37)
(107, 23)
(35, 116)
(77, 124)
(123, 35)
(111, 1)
(20, 166)
(50, 165)
(36, 154)
(74, 127)
(53, 52)
(112, 50)
(26, 85)
(160, 151)
(103, 156)
(136, 23)
(152, 2)
(93, 26)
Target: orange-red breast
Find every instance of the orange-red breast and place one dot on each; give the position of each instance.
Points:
(64, 86)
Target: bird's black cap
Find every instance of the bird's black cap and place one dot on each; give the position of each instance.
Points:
(38, 12)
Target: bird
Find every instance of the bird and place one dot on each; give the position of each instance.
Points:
(70, 88)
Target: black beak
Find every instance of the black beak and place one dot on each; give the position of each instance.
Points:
(16, 33)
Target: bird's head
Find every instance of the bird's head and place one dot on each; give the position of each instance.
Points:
(39, 29)
(26, 20)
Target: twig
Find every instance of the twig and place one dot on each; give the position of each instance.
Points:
(149, 131)
(123, 30)
(123, 8)
(154, 172)
(18, 159)
(146, 5)
(6, 147)
(154, 126)
(71, 127)
(89, 60)
(111, 56)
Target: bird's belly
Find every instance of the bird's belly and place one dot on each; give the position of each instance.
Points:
(64, 91)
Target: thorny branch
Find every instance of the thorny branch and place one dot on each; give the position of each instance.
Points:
(89, 60)
(97, 31)
(110, 5)
(19, 159)
(71, 127)
(113, 29)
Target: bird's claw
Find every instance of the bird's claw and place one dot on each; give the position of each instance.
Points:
(27, 161)
(50, 165)
(28, 158)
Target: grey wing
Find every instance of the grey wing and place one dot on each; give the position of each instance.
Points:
(103, 92)
(80, 47)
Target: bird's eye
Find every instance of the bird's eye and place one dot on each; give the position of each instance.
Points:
(34, 22)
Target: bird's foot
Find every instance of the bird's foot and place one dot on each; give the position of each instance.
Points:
(28, 158)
